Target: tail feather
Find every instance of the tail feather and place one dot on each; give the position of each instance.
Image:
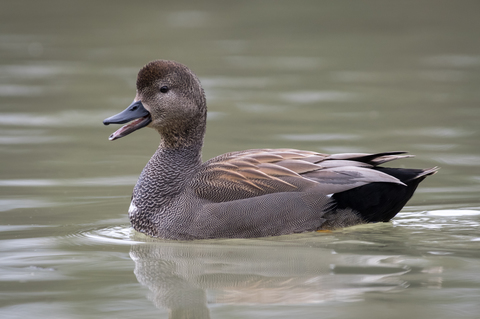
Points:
(380, 202)
(428, 172)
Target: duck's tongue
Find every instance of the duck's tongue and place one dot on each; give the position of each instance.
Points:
(130, 127)
(136, 113)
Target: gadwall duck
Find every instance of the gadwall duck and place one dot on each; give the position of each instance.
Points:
(253, 193)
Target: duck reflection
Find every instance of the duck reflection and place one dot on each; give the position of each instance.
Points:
(186, 277)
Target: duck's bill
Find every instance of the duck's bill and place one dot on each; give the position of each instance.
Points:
(136, 114)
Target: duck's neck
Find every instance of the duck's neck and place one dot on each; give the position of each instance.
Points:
(173, 165)
(184, 132)
(166, 175)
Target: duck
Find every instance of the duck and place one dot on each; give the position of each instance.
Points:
(250, 193)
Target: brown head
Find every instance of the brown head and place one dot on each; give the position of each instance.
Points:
(169, 99)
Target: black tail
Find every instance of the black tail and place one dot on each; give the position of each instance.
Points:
(380, 202)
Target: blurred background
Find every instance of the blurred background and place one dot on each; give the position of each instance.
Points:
(327, 76)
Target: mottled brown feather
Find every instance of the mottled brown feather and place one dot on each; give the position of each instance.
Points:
(266, 157)
(299, 166)
(276, 170)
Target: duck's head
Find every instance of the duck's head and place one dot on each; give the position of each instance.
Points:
(169, 99)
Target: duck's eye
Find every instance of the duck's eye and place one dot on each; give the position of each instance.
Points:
(164, 89)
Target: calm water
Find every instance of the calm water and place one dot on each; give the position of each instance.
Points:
(339, 76)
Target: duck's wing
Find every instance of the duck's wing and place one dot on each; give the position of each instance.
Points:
(252, 173)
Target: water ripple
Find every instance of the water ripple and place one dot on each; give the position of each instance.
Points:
(61, 119)
(235, 82)
(454, 212)
(19, 90)
(120, 235)
(10, 204)
(453, 60)
(188, 19)
(32, 71)
(282, 63)
(94, 181)
(306, 97)
(15, 140)
(319, 137)
(445, 132)
(459, 159)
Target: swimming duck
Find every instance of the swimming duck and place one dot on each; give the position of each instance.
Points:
(252, 193)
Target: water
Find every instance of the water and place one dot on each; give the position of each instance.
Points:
(344, 76)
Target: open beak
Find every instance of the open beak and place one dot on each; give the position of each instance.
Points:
(136, 114)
